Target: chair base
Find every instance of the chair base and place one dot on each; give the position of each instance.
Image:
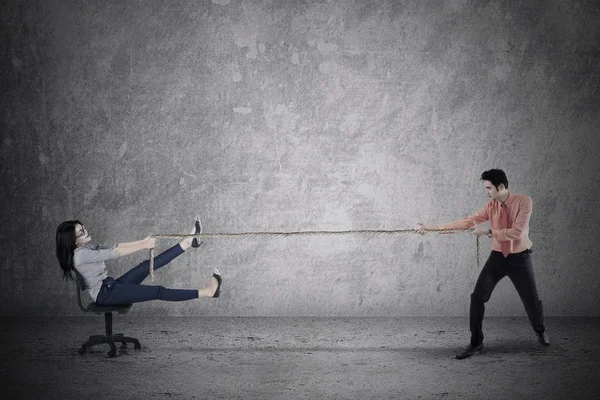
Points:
(110, 340)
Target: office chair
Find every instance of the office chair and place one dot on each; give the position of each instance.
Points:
(109, 336)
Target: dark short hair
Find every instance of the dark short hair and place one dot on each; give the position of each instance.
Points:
(496, 176)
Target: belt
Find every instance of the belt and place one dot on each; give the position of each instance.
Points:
(522, 253)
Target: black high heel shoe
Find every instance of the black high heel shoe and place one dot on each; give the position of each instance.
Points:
(195, 242)
(217, 276)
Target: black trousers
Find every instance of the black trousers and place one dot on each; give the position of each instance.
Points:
(519, 268)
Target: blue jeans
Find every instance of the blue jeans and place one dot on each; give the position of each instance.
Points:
(519, 268)
(127, 289)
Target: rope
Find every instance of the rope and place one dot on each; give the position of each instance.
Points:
(304, 233)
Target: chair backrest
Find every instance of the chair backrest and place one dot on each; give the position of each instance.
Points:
(80, 288)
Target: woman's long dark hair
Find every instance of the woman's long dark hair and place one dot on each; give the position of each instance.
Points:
(65, 247)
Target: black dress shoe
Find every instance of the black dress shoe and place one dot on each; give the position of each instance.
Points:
(217, 276)
(543, 338)
(469, 351)
(195, 242)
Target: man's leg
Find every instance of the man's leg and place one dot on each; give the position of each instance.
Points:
(489, 277)
(140, 272)
(520, 272)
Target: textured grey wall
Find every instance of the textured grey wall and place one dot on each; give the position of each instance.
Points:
(300, 115)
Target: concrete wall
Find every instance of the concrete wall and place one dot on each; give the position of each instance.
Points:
(300, 115)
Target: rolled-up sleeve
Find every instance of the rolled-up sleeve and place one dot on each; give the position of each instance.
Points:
(86, 256)
(520, 224)
(479, 217)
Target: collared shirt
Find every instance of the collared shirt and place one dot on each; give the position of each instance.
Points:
(89, 260)
(519, 207)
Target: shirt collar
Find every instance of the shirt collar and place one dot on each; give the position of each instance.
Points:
(91, 246)
(508, 201)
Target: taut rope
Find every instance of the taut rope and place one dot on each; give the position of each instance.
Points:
(305, 233)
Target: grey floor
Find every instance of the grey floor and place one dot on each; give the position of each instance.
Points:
(298, 358)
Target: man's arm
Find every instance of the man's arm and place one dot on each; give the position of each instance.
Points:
(521, 221)
(472, 221)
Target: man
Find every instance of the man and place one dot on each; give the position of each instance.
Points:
(509, 215)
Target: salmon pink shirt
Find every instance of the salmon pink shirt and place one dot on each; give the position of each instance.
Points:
(519, 208)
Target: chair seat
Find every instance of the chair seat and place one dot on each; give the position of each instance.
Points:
(122, 308)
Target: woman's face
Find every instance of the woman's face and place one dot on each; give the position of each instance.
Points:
(81, 235)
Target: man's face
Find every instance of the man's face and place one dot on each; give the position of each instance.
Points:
(491, 190)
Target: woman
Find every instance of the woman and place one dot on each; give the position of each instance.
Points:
(74, 251)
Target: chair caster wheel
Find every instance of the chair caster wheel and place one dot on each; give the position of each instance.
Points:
(82, 350)
(113, 349)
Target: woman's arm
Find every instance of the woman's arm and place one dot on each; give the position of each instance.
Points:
(125, 248)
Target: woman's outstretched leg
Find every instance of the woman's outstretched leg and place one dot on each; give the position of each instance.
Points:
(137, 274)
(126, 293)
